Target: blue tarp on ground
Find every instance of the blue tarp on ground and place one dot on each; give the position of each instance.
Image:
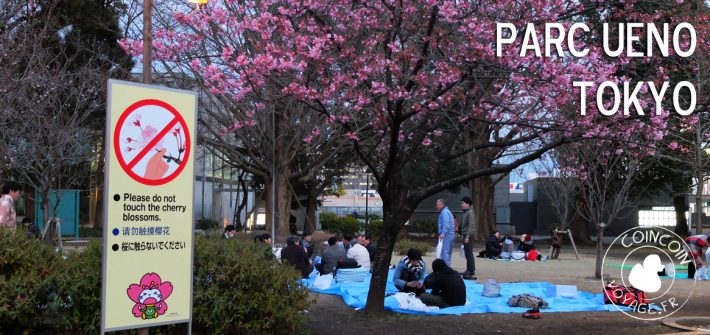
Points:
(355, 296)
(679, 275)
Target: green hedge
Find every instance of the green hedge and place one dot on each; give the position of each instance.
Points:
(428, 227)
(339, 224)
(207, 224)
(403, 245)
(374, 226)
(237, 290)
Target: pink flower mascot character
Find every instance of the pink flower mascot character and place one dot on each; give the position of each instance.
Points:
(150, 296)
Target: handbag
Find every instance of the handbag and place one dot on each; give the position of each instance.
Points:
(517, 255)
(491, 289)
(439, 247)
(623, 295)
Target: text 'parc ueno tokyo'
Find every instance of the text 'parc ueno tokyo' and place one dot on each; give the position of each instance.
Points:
(682, 40)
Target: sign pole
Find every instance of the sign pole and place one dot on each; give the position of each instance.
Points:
(147, 60)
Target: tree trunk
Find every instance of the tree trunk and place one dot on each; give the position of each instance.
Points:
(98, 186)
(681, 222)
(283, 201)
(482, 190)
(580, 230)
(45, 207)
(600, 252)
(312, 205)
(699, 202)
(241, 202)
(393, 222)
(268, 207)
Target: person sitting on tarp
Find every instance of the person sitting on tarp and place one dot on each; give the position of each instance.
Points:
(493, 245)
(306, 243)
(447, 287)
(359, 253)
(331, 255)
(409, 273)
(296, 256)
(508, 247)
(526, 243)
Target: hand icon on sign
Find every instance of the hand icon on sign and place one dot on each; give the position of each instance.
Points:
(156, 166)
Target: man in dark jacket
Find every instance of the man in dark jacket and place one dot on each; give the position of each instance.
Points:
(493, 245)
(295, 255)
(447, 287)
(468, 231)
(330, 258)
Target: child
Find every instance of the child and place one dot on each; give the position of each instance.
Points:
(32, 230)
(556, 244)
(229, 232)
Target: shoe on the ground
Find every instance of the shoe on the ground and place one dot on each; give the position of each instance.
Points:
(532, 314)
(469, 277)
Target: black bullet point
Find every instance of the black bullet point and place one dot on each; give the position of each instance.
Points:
(116, 197)
(115, 247)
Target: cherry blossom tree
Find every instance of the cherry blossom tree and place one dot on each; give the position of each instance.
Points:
(604, 174)
(405, 82)
(48, 101)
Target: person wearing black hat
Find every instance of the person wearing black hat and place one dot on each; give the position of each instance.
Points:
(468, 231)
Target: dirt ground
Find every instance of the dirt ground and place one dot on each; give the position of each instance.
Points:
(329, 315)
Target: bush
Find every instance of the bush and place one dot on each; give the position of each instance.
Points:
(327, 220)
(403, 245)
(207, 224)
(339, 224)
(85, 232)
(429, 228)
(80, 288)
(27, 277)
(374, 226)
(237, 290)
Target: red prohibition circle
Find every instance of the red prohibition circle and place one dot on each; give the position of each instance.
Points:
(117, 141)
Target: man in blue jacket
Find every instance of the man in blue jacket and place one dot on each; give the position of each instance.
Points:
(446, 231)
(410, 272)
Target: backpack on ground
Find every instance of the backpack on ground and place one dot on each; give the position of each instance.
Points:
(527, 301)
(623, 295)
(532, 255)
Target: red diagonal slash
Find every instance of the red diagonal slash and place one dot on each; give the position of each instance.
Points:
(152, 143)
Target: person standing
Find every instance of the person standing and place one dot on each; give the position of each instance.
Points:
(11, 191)
(696, 243)
(446, 231)
(468, 231)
